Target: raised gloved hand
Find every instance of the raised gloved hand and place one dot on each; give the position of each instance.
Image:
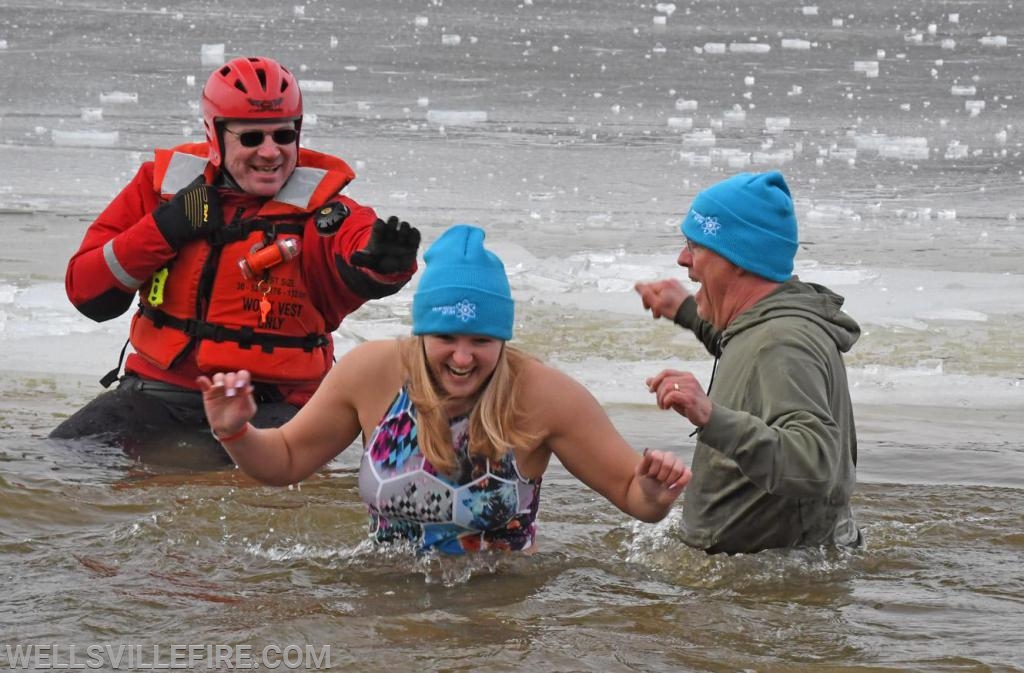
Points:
(192, 212)
(392, 247)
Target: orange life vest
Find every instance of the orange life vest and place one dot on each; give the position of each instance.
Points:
(267, 325)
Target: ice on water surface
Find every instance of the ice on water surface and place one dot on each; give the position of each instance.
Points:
(316, 86)
(86, 138)
(577, 135)
(119, 97)
(212, 54)
(456, 117)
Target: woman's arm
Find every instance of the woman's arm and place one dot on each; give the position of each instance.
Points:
(322, 429)
(578, 431)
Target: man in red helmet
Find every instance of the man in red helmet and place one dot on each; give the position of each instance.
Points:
(243, 254)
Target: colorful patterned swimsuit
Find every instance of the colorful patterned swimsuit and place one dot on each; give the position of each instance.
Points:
(484, 504)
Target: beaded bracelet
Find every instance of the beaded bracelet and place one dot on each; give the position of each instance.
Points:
(233, 436)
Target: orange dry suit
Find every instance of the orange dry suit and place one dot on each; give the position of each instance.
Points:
(197, 313)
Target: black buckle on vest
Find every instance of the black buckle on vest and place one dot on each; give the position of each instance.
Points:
(159, 318)
(206, 330)
(313, 340)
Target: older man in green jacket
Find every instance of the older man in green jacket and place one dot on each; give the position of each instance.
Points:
(776, 452)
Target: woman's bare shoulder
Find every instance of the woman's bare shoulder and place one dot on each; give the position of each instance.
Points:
(556, 404)
(379, 349)
(370, 360)
(542, 383)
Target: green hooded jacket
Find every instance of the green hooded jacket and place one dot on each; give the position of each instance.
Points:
(775, 465)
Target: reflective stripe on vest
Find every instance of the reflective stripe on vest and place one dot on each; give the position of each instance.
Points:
(182, 170)
(300, 187)
(297, 191)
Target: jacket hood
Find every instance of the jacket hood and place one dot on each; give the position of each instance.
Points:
(811, 301)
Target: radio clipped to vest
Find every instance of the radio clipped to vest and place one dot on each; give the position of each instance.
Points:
(262, 257)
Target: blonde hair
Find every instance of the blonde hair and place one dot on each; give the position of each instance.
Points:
(495, 422)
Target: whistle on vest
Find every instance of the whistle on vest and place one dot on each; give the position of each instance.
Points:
(156, 287)
(262, 257)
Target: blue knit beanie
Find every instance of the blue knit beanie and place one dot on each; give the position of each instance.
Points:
(464, 289)
(749, 220)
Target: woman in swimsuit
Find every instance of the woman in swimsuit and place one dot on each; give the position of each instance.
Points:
(458, 426)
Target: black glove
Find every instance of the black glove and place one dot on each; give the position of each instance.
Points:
(191, 213)
(392, 247)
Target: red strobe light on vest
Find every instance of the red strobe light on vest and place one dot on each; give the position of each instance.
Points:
(263, 257)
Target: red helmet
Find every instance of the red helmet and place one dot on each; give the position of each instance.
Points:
(249, 88)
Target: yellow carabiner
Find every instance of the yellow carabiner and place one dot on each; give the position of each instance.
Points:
(156, 287)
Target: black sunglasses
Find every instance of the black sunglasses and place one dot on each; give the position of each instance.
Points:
(255, 138)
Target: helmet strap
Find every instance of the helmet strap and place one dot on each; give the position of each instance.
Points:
(219, 131)
(225, 178)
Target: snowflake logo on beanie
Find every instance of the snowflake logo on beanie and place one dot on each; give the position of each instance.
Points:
(709, 226)
(464, 310)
